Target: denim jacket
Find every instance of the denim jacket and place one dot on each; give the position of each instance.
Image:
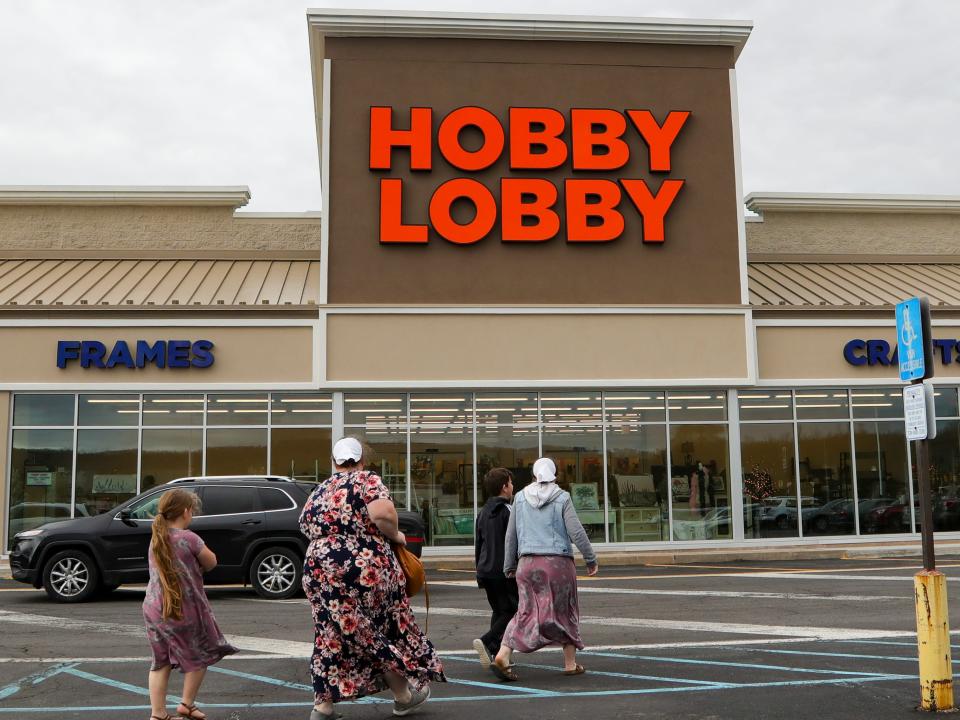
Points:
(551, 529)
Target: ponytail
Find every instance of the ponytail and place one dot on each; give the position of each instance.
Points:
(172, 505)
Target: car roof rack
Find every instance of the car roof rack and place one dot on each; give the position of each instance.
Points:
(205, 478)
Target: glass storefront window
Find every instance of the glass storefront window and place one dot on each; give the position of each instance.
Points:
(301, 453)
(877, 402)
(699, 406)
(441, 478)
(571, 407)
(41, 467)
(445, 409)
(637, 482)
(765, 405)
(381, 409)
(106, 468)
(699, 482)
(38, 410)
(248, 409)
(301, 409)
(883, 487)
(822, 404)
(109, 410)
(944, 477)
(826, 474)
(173, 409)
(634, 406)
(236, 451)
(516, 408)
(945, 401)
(166, 455)
(577, 451)
(385, 453)
(769, 482)
(513, 447)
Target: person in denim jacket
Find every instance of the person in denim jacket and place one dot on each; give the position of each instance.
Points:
(538, 551)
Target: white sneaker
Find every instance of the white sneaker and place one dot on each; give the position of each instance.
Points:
(417, 698)
(482, 653)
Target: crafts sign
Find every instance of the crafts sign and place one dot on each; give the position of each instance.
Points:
(523, 207)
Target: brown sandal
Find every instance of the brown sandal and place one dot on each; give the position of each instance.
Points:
(191, 712)
(157, 717)
(505, 673)
(578, 670)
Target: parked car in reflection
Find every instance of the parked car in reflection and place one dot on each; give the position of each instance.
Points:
(946, 512)
(886, 518)
(833, 515)
(30, 515)
(781, 510)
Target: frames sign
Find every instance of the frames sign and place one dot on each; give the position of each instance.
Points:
(138, 355)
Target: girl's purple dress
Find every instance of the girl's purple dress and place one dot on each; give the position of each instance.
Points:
(195, 641)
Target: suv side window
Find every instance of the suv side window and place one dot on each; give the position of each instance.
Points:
(145, 508)
(275, 499)
(218, 500)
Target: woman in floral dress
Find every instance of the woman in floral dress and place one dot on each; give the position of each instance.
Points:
(366, 638)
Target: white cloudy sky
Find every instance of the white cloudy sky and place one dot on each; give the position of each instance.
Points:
(842, 96)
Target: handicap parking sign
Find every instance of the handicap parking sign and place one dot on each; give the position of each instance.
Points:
(911, 340)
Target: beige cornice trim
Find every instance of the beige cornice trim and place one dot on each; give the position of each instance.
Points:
(158, 311)
(153, 254)
(312, 216)
(836, 202)
(231, 196)
(591, 28)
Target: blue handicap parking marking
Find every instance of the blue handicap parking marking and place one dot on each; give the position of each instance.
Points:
(719, 669)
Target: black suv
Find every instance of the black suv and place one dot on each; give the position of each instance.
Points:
(251, 523)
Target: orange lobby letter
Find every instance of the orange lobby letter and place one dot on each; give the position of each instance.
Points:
(653, 208)
(592, 129)
(524, 138)
(448, 138)
(383, 138)
(659, 138)
(392, 229)
(514, 207)
(449, 229)
(604, 207)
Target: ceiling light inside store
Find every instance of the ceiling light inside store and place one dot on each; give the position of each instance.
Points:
(883, 404)
(856, 394)
(819, 405)
(692, 397)
(155, 412)
(177, 401)
(107, 401)
(704, 407)
(430, 400)
(567, 399)
(305, 400)
(621, 398)
(505, 399)
(128, 412)
(372, 400)
(243, 410)
(262, 401)
(812, 395)
(754, 397)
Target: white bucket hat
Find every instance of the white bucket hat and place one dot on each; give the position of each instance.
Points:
(347, 449)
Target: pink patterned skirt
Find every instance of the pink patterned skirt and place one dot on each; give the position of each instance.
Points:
(549, 612)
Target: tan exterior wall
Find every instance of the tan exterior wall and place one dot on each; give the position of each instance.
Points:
(143, 228)
(812, 233)
(518, 348)
(268, 355)
(797, 353)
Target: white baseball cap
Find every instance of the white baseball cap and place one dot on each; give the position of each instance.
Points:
(346, 449)
(544, 470)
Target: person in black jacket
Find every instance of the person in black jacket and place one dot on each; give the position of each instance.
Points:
(501, 590)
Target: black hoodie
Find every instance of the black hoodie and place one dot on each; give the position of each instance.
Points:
(491, 529)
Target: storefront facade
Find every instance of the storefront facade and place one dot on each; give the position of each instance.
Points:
(540, 251)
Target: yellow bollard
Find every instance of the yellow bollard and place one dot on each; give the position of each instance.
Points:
(933, 641)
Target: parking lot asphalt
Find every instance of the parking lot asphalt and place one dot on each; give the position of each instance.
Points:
(824, 639)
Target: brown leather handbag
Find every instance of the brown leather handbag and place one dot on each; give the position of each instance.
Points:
(412, 569)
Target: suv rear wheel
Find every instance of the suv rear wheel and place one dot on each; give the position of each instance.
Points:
(275, 573)
(71, 576)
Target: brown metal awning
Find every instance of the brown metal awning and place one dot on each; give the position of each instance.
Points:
(851, 284)
(158, 282)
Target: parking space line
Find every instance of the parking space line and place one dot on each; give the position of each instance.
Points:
(32, 679)
(727, 663)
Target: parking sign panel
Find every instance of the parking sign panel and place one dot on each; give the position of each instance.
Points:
(910, 340)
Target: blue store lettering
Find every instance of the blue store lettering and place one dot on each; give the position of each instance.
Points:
(880, 352)
(161, 353)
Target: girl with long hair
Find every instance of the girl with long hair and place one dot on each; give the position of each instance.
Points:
(180, 624)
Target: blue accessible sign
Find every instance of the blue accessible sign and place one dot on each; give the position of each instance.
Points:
(910, 341)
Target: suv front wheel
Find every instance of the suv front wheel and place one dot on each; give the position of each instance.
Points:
(71, 576)
(275, 573)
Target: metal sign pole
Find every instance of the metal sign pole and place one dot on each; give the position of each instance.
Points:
(926, 506)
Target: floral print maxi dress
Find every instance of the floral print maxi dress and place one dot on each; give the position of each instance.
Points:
(362, 618)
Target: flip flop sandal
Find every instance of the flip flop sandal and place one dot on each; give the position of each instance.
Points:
(157, 717)
(578, 670)
(506, 674)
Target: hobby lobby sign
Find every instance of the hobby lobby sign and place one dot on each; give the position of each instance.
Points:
(526, 208)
